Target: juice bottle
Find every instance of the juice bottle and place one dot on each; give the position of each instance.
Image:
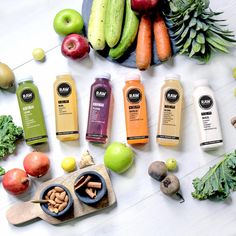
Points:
(170, 112)
(100, 107)
(66, 113)
(207, 116)
(31, 112)
(135, 110)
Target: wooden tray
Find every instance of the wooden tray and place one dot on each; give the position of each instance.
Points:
(129, 58)
(23, 212)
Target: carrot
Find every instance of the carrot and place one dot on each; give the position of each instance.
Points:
(162, 38)
(144, 43)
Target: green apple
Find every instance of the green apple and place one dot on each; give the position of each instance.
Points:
(68, 21)
(118, 157)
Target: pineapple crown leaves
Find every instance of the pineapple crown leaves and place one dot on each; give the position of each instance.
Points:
(196, 30)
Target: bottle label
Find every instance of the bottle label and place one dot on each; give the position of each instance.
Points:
(64, 89)
(98, 119)
(134, 95)
(211, 142)
(168, 137)
(172, 96)
(32, 117)
(27, 96)
(206, 102)
(100, 93)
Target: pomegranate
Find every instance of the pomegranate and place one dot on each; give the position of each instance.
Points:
(36, 164)
(15, 181)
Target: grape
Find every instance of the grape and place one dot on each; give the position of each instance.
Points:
(171, 164)
(234, 72)
(38, 54)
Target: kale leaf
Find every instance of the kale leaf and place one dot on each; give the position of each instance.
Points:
(2, 171)
(218, 182)
(9, 134)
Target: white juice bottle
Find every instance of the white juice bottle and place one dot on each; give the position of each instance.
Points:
(207, 116)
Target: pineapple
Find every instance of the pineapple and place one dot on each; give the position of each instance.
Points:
(196, 30)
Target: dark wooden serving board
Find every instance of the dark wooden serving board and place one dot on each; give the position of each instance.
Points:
(129, 59)
(23, 212)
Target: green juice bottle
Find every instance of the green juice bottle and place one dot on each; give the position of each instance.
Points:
(31, 112)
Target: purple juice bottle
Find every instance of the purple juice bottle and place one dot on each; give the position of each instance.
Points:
(100, 107)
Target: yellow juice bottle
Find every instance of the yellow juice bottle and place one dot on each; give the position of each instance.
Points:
(66, 113)
(135, 111)
(170, 113)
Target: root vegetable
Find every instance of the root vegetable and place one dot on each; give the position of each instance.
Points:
(157, 170)
(144, 43)
(162, 38)
(170, 185)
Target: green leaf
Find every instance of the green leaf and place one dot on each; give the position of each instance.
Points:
(188, 43)
(2, 171)
(216, 45)
(192, 22)
(203, 49)
(193, 33)
(218, 182)
(196, 46)
(9, 134)
(201, 38)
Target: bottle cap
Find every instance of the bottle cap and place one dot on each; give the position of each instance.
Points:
(172, 77)
(200, 82)
(132, 76)
(25, 78)
(104, 76)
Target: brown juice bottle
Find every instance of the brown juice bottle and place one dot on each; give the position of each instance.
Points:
(170, 113)
(135, 111)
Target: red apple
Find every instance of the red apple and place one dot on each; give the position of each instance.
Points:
(75, 46)
(141, 6)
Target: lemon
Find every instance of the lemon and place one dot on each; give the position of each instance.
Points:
(68, 164)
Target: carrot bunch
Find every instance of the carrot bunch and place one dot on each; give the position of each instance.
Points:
(147, 28)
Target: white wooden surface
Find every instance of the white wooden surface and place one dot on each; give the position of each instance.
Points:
(142, 209)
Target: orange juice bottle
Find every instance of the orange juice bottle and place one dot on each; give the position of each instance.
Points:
(66, 113)
(135, 110)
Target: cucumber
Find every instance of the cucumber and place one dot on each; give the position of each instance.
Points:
(96, 25)
(129, 33)
(113, 21)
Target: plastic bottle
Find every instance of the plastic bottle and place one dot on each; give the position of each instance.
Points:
(135, 111)
(100, 108)
(31, 112)
(207, 116)
(66, 111)
(170, 112)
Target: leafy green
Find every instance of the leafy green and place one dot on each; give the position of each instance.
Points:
(218, 182)
(9, 134)
(196, 30)
(2, 171)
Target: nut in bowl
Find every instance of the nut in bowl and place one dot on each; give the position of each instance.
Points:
(58, 200)
(90, 187)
